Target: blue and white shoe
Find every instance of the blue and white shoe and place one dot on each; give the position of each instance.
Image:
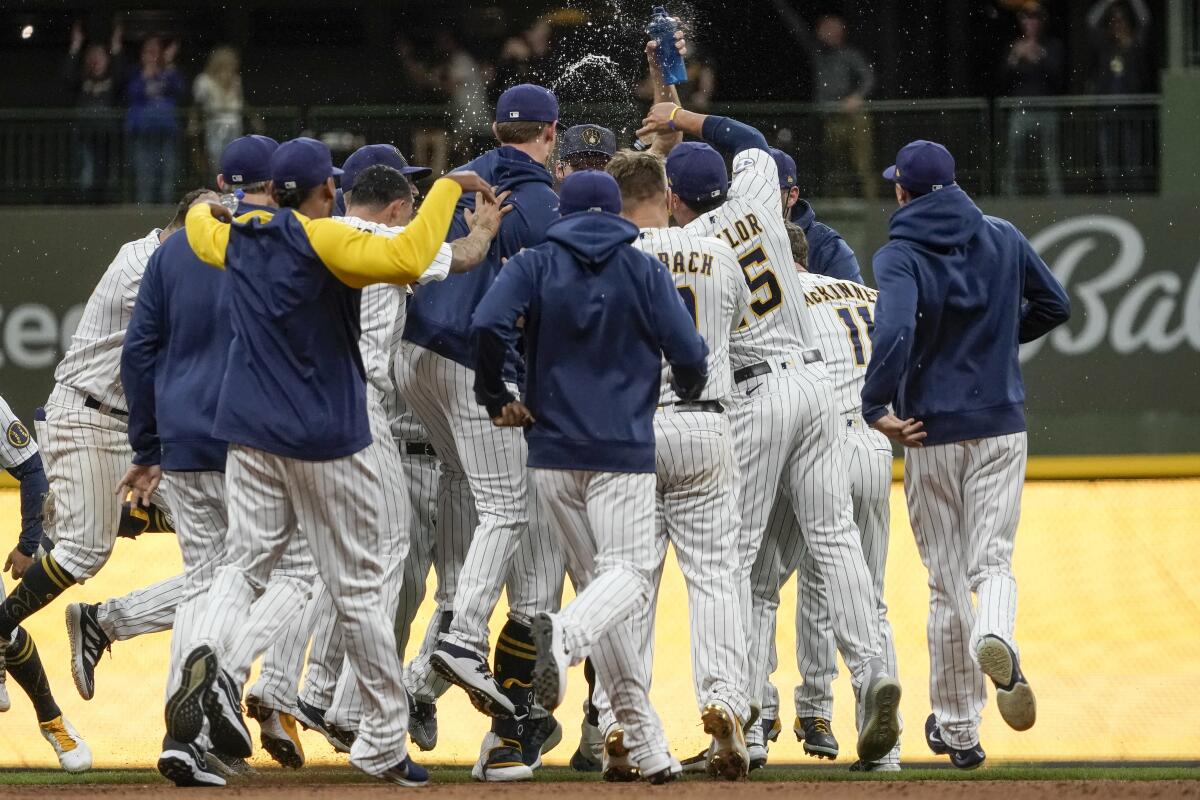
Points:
(550, 669)
(470, 671)
(970, 758)
(406, 773)
(1014, 697)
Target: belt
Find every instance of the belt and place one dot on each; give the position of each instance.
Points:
(811, 356)
(419, 449)
(698, 406)
(103, 408)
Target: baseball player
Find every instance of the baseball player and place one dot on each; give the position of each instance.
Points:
(19, 657)
(828, 253)
(583, 147)
(840, 318)
(308, 324)
(785, 428)
(959, 291)
(435, 377)
(583, 294)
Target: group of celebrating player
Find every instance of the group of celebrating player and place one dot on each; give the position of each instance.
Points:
(568, 385)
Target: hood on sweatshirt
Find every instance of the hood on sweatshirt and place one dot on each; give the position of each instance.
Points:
(505, 168)
(591, 236)
(803, 214)
(942, 220)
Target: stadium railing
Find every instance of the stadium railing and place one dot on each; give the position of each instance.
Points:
(1103, 144)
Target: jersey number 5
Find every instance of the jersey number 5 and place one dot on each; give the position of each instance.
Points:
(855, 319)
(760, 279)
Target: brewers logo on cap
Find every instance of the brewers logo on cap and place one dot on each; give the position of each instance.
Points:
(18, 434)
(590, 136)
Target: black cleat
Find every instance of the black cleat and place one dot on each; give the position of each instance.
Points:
(313, 719)
(817, 736)
(88, 642)
(422, 723)
(470, 671)
(223, 706)
(970, 758)
(186, 707)
(185, 765)
(1014, 697)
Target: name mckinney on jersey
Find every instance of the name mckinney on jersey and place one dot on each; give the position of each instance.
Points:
(842, 290)
(680, 263)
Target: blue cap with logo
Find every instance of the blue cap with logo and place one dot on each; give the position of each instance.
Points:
(922, 167)
(372, 154)
(527, 102)
(787, 168)
(589, 190)
(587, 140)
(302, 164)
(696, 172)
(247, 160)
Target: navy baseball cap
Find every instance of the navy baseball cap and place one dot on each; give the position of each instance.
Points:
(696, 172)
(588, 140)
(589, 190)
(302, 164)
(922, 167)
(372, 154)
(527, 102)
(787, 168)
(247, 160)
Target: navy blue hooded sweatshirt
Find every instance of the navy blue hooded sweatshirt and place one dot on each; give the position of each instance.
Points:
(174, 356)
(439, 315)
(958, 291)
(599, 317)
(828, 253)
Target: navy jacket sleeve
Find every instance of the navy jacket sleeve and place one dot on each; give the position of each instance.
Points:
(732, 137)
(34, 487)
(682, 345)
(891, 341)
(139, 360)
(839, 260)
(492, 325)
(1045, 303)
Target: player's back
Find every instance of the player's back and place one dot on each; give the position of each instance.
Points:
(751, 222)
(706, 273)
(841, 316)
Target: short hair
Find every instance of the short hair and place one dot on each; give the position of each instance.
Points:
(579, 162)
(253, 188)
(799, 243)
(185, 203)
(705, 205)
(520, 132)
(377, 186)
(640, 176)
(292, 198)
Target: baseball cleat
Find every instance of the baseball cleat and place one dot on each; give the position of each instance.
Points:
(618, 767)
(5, 703)
(278, 734)
(73, 753)
(422, 723)
(470, 671)
(88, 643)
(817, 736)
(550, 669)
(881, 717)
(660, 768)
(874, 766)
(501, 761)
(1014, 697)
(229, 766)
(968, 758)
(223, 707)
(589, 755)
(186, 707)
(697, 764)
(406, 773)
(185, 765)
(543, 735)
(730, 761)
(313, 719)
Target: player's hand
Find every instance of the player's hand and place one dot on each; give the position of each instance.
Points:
(905, 431)
(486, 215)
(514, 415)
(16, 563)
(140, 483)
(472, 182)
(220, 213)
(658, 120)
(652, 52)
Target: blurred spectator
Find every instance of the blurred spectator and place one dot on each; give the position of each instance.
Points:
(152, 121)
(843, 79)
(218, 95)
(457, 77)
(91, 76)
(1035, 67)
(525, 58)
(1120, 66)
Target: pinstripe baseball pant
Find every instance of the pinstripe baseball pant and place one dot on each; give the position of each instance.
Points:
(605, 521)
(964, 501)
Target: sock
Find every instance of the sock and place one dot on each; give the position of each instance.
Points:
(590, 711)
(514, 658)
(25, 665)
(43, 582)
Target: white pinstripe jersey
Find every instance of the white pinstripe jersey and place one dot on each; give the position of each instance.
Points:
(841, 317)
(16, 446)
(751, 222)
(92, 364)
(710, 282)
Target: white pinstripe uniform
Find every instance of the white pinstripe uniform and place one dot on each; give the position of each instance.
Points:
(840, 319)
(784, 422)
(86, 450)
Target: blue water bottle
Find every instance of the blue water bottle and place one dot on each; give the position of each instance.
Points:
(662, 30)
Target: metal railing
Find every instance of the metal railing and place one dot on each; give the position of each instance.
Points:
(1045, 145)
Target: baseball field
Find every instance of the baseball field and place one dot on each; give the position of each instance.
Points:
(1109, 628)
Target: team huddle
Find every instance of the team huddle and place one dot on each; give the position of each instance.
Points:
(327, 394)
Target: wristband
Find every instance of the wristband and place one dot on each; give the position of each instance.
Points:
(671, 119)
